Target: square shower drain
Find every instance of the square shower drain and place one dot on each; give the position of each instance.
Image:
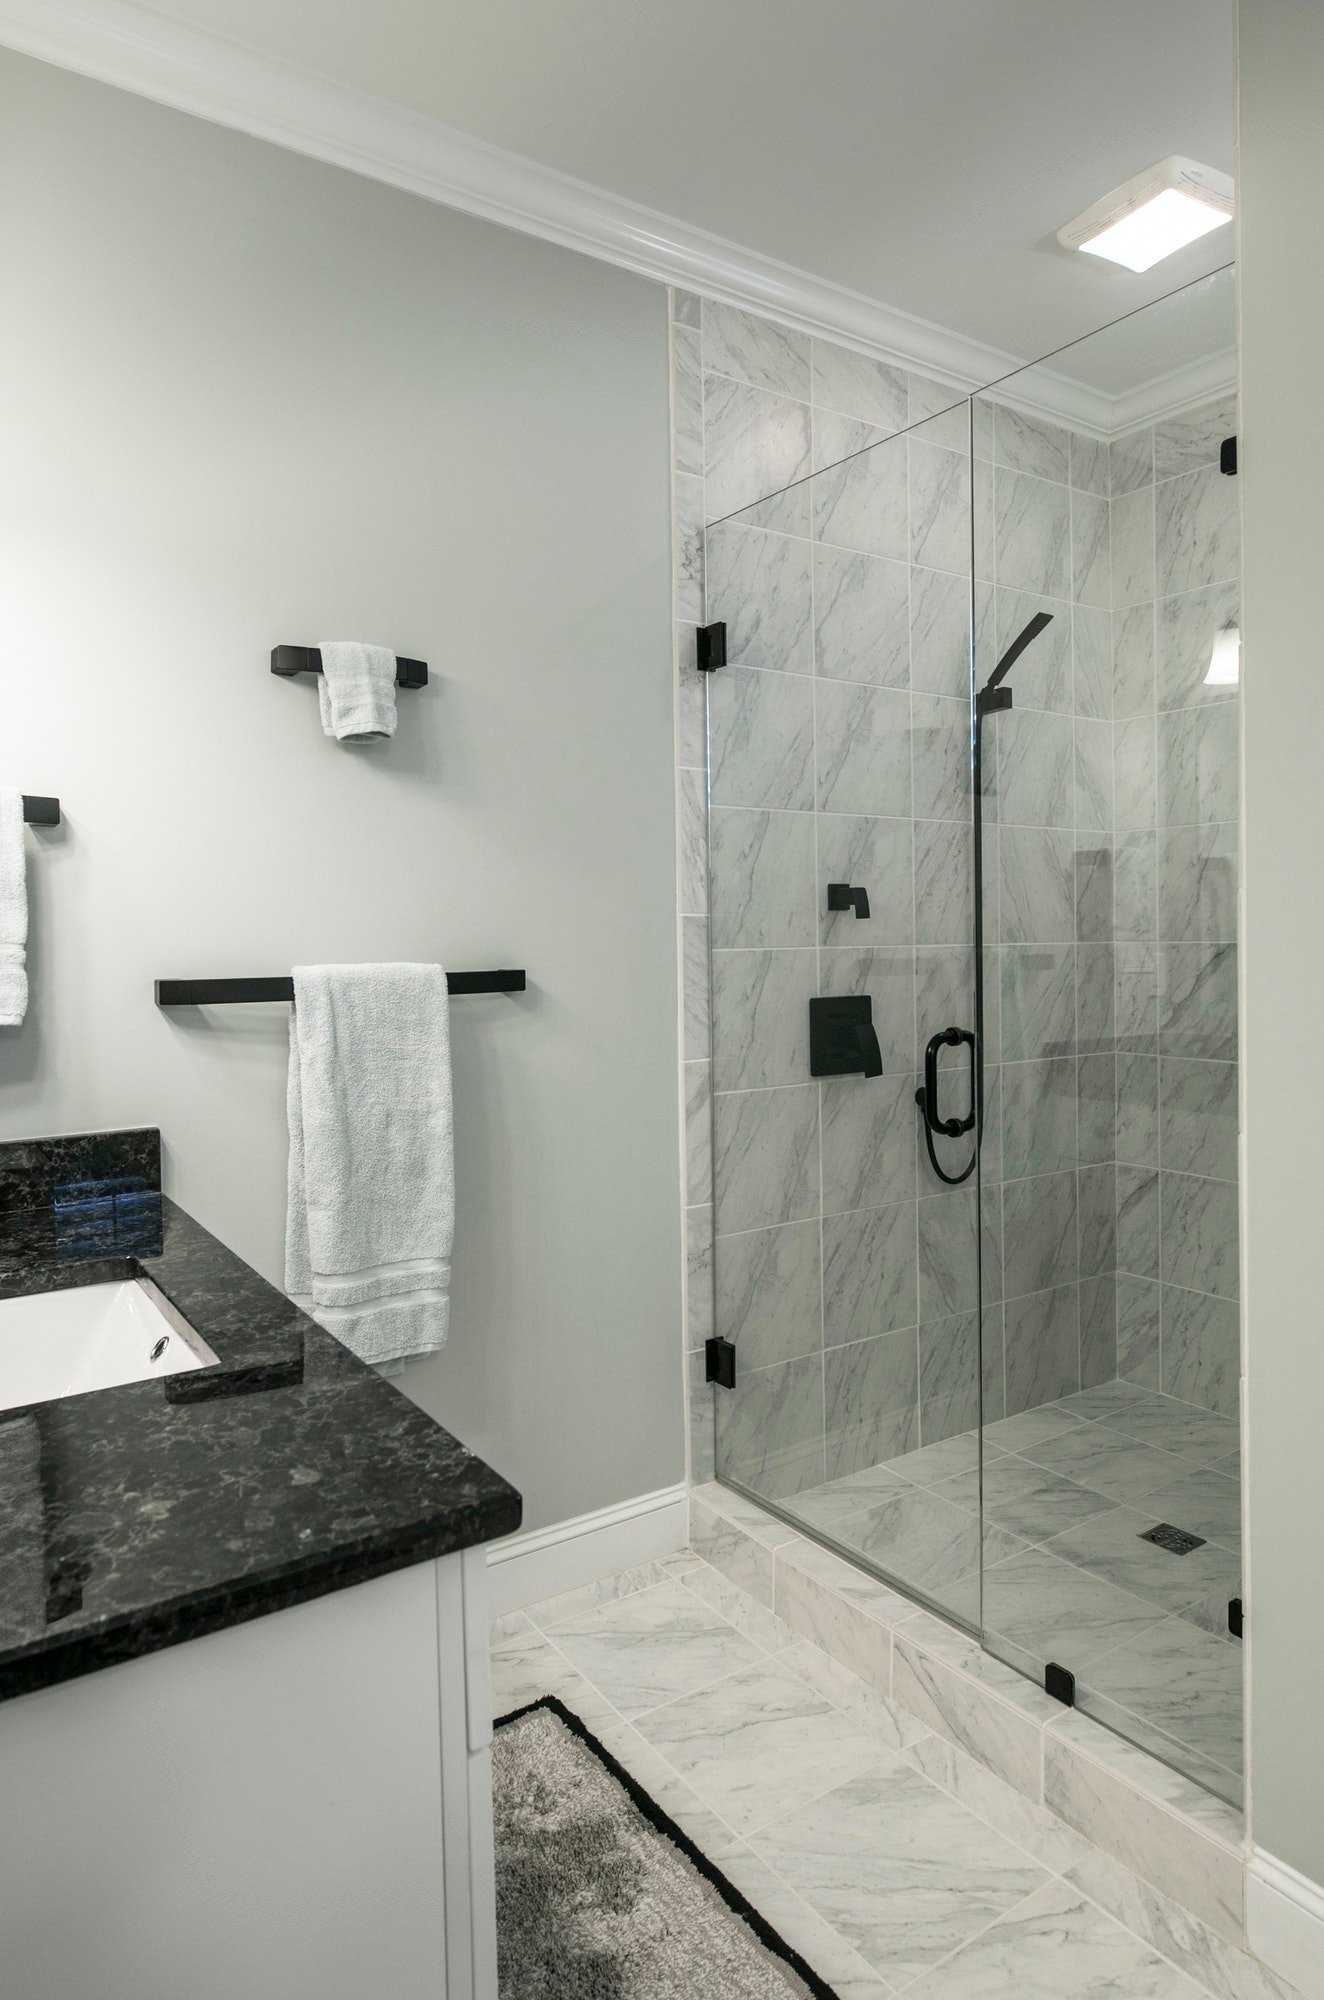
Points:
(1175, 1540)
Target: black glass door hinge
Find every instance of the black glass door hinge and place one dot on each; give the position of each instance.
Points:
(1060, 1682)
(1227, 457)
(710, 647)
(720, 1359)
(1236, 1618)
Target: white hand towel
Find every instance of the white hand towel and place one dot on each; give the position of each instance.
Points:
(371, 1193)
(356, 691)
(13, 910)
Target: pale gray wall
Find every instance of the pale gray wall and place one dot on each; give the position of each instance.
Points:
(1282, 310)
(249, 399)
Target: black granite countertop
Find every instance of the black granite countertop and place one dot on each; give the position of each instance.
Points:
(133, 1518)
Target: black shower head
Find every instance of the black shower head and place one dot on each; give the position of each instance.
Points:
(991, 696)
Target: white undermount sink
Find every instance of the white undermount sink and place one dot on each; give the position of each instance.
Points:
(91, 1337)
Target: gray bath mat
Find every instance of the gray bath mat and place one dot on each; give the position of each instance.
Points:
(601, 1897)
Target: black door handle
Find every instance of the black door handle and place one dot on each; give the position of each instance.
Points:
(927, 1095)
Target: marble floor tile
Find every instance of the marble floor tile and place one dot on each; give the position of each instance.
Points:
(1056, 1943)
(850, 1976)
(1031, 1427)
(1206, 1502)
(1180, 1680)
(1171, 1426)
(1107, 1461)
(935, 1462)
(1052, 1609)
(925, 1541)
(896, 1865)
(652, 1646)
(759, 1743)
(1111, 1547)
(1101, 1405)
(1024, 1498)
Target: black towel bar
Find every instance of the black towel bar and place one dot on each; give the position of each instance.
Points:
(40, 812)
(290, 660)
(239, 992)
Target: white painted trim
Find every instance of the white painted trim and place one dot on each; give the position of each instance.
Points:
(524, 1569)
(1285, 1922)
(133, 47)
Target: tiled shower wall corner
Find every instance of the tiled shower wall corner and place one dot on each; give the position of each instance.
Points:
(851, 1302)
(1176, 582)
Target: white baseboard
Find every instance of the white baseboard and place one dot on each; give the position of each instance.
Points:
(1285, 1922)
(524, 1569)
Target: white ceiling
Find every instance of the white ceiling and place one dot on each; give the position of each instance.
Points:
(921, 152)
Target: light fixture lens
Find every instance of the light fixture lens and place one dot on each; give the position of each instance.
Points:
(1168, 222)
(1225, 660)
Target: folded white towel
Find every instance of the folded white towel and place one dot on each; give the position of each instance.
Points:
(371, 1192)
(356, 690)
(13, 910)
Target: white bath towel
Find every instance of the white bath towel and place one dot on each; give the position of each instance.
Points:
(13, 910)
(371, 1198)
(356, 691)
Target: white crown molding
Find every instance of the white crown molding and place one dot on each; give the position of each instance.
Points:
(190, 69)
(1285, 1922)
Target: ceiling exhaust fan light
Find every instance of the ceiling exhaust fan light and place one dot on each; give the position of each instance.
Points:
(1154, 214)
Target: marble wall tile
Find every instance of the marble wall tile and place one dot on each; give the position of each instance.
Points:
(1137, 997)
(868, 1127)
(1098, 1330)
(1131, 461)
(863, 750)
(769, 1293)
(1197, 1000)
(755, 444)
(1038, 1117)
(765, 1157)
(686, 307)
(698, 1274)
(1041, 677)
(1197, 884)
(755, 350)
(871, 1400)
(878, 855)
(858, 386)
(944, 908)
(1094, 886)
(1135, 887)
(861, 618)
(1034, 783)
(1218, 1966)
(1089, 464)
(760, 585)
(1198, 765)
(1193, 439)
(686, 401)
(1198, 1121)
(832, 1621)
(1096, 1196)
(692, 825)
(1028, 444)
(687, 585)
(1137, 1110)
(1039, 1229)
(940, 635)
(939, 507)
(1133, 548)
(1199, 1234)
(1186, 627)
(1096, 1016)
(1096, 1088)
(1037, 886)
(945, 997)
(1038, 995)
(858, 493)
(948, 1262)
(1042, 1333)
(1138, 1330)
(1091, 550)
(698, 1133)
(940, 747)
(760, 1002)
(691, 703)
(968, 1698)
(1138, 1222)
(769, 1428)
(949, 1367)
(695, 1023)
(888, 977)
(1032, 534)
(701, 1446)
(1094, 774)
(733, 1552)
(1197, 530)
(1133, 660)
(869, 1273)
(946, 415)
(764, 893)
(1092, 643)
(1201, 1359)
(762, 739)
(1135, 773)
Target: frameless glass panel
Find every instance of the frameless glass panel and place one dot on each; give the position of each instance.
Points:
(841, 917)
(1108, 1190)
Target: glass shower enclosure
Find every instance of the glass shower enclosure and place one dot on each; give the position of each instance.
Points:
(972, 797)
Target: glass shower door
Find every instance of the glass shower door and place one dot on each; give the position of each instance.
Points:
(841, 922)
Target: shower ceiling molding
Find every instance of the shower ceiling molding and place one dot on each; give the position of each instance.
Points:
(210, 76)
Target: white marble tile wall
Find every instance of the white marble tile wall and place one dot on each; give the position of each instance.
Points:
(1175, 814)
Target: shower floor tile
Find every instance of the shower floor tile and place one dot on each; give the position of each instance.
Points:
(1183, 1682)
(890, 1871)
(1112, 1547)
